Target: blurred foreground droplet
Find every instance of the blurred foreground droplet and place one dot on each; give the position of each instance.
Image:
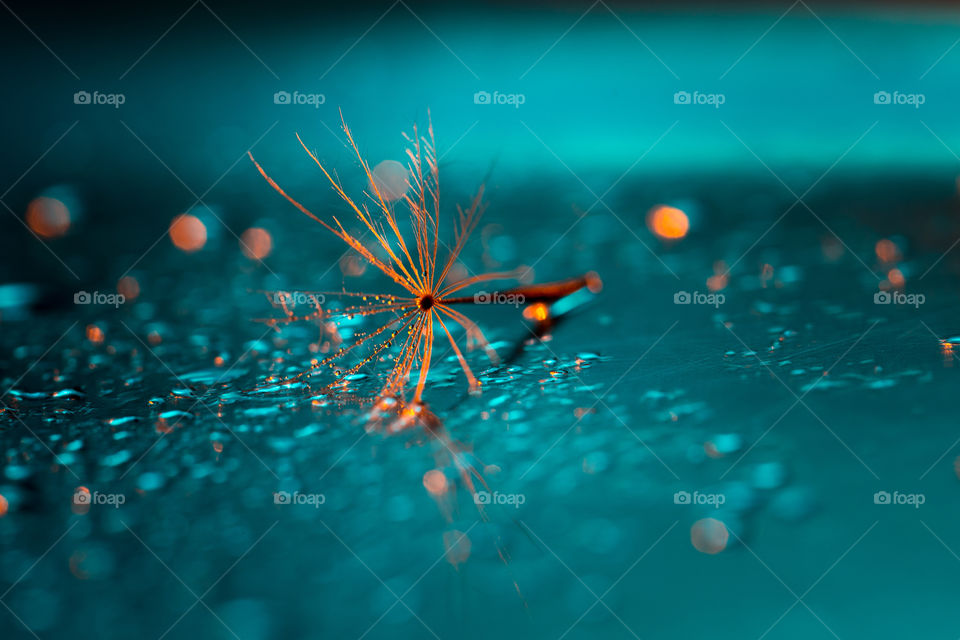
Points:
(188, 233)
(391, 179)
(709, 536)
(256, 243)
(668, 223)
(48, 217)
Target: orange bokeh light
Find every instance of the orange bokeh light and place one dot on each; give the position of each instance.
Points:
(895, 276)
(256, 243)
(94, 334)
(80, 501)
(709, 535)
(4, 506)
(537, 311)
(76, 568)
(48, 217)
(128, 287)
(435, 482)
(720, 277)
(887, 251)
(669, 223)
(458, 547)
(351, 265)
(188, 233)
(594, 283)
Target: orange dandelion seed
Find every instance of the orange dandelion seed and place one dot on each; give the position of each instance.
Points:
(4, 506)
(668, 223)
(48, 217)
(429, 283)
(188, 233)
(256, 243)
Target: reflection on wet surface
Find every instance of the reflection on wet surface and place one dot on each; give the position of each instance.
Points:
(719, 416)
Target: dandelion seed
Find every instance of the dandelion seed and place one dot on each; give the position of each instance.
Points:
(423, 309)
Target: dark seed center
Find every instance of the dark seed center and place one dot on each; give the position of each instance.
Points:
(425, 302)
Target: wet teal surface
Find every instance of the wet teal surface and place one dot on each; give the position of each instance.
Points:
(812, 426)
